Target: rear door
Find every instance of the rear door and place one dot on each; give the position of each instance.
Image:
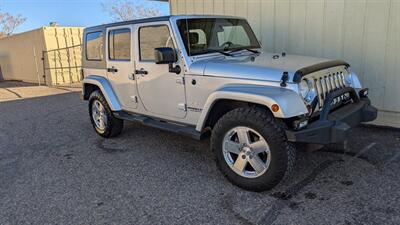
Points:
(120, 65)
(161, 92)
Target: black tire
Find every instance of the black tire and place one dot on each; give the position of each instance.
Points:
(272, 130)
(114, 125)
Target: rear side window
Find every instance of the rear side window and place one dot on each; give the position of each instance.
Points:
(119, 44)
(153, 37)
(94, 46)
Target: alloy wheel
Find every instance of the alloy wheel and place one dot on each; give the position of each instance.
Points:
(246, 152)
(99, 115)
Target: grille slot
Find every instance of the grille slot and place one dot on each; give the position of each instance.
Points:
(328, 83)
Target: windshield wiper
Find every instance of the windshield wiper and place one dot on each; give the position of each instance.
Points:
(219, 51)
(252, 50)
(248, 49)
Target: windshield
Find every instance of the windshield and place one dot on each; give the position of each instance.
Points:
(206, 35)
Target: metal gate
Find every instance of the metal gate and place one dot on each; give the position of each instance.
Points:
(63, 66)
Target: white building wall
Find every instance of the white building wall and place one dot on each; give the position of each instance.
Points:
(366, 33)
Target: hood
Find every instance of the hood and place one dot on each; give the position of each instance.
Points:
(261, 66)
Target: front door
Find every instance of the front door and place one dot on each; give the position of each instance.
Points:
(161, 92)
(120, 65)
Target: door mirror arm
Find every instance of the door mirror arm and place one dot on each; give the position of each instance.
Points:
(174, 69)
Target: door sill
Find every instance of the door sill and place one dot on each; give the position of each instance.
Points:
(189, 131)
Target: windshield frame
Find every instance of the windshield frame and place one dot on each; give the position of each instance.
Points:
(254, 42)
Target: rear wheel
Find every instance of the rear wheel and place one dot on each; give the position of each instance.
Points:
(251, 149)
(103, 121)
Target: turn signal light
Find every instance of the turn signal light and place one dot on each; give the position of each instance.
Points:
(275, 108)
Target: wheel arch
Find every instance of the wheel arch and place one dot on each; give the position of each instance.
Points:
(223, 106)
(92, 83)
(88, 89)
(234, 96)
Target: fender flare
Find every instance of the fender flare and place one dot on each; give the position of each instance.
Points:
(289, 102)
(105, 88)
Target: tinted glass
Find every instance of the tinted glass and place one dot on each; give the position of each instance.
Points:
(119, 44)
(151, 38)
(206, 35)
(94, 46)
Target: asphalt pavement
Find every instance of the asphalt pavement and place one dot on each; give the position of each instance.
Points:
(54, 169)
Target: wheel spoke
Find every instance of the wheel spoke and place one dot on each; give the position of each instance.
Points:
(240, 163)
(243, 136)
(103, 119)
(259, 146)
(97, 105)
(232, 147)
(101, 108)
(95, 113)
(257, 164)
(101, 122)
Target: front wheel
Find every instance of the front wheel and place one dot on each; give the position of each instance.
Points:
(103, 121)
(251, 149)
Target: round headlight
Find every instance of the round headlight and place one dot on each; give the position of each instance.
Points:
(303, 88)
(307, 90)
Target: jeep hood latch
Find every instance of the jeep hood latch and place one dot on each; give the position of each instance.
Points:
(284, 79)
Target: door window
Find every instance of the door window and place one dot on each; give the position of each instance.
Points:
(94, 46)
(119, 44)
(153, 37)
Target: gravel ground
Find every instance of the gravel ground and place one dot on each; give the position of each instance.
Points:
(54, 169)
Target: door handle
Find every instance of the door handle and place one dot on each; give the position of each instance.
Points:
(141, 71)
(112, 69)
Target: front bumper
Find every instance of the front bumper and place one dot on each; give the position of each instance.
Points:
(334, 127)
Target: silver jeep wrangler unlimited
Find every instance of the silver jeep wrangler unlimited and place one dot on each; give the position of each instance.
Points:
(207, 75)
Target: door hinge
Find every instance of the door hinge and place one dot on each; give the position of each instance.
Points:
(182, 106)
(134, 98)
(180, 80)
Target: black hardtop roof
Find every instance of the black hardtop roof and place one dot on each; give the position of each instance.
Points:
(146, 20)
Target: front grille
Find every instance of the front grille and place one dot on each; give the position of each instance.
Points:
(328, 83)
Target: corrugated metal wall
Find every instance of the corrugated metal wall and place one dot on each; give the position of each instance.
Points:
(61, 55)
(366, 33)
(20, 55)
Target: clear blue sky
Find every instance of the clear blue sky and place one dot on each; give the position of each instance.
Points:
(65, 12)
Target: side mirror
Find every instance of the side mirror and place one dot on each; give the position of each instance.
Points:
(164, 55)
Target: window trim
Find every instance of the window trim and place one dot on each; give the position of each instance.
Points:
(139, 47)
(130, 44)
(102, 47)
